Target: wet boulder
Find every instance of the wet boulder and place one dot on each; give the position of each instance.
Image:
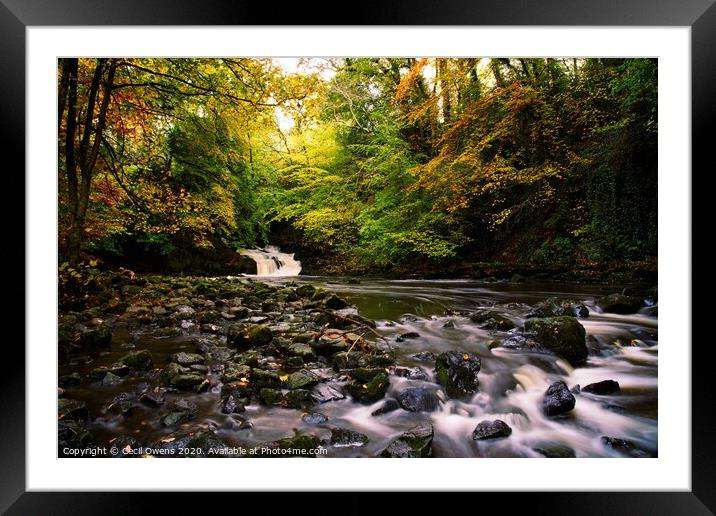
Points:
(343, 437)
(389, 405)
(409, 335)
(619, 304)
(263, 378)
(329, 342)
(492, 320)
(306, 291)
(154, 398)
(235, 373)
(554, 307)
(187, 359)
(457, 373)
(314, 418)
(178, 412)
(301, 379)
(491, 430)
(369, 391)
(624, 446)
(412, 373)
(323, 393)
(187, 381)
(243, 336)
(333, 302)
(558, 399)
(232, 404)
(110, 380)
(419, 399)
(563, 336)
(602, 388)
(424, 356)
(415, 443)
(94, 340)
(140, 360)
(552, 450)
(171, 370)
(298, 399)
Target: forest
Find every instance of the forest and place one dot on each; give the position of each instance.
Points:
(361, 166)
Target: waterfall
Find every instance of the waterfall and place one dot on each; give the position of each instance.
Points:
(272, 262)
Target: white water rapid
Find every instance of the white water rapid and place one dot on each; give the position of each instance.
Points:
(270, 261)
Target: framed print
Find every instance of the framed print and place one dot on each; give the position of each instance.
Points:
(436, 234)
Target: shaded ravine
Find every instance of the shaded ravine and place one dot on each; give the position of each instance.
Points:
(435, 316)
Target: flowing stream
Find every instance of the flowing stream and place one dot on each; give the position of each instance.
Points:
(623, 348)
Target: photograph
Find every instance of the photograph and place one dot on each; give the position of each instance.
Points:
(357, 257)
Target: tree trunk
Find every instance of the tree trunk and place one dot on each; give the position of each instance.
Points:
(89, 137)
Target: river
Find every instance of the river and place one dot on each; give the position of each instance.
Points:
(512, 383)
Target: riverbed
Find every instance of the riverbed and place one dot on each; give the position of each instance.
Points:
(418, 320)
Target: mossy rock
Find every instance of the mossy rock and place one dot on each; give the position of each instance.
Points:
(140, 360)
(457, 372)
(620, 304)
(306, 291)
(492, 320)
(301, 379)
(564, 336)
(246, 336)
(370, 391)
(415, 443)
(187, 381)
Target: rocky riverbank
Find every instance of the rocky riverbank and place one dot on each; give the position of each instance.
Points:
(156, 350)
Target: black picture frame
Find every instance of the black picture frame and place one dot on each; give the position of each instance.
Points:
(17, 15)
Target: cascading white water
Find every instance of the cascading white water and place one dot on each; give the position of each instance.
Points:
(270, 261)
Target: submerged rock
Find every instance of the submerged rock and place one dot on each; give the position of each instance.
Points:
(558, 399)
(492, 320)
(232, 404)
(314, 418)
(491, 430)
(604, 387)
(555, 451)
(388, 406)
(409, 335)
(342, 437)
(457, 373)
(564, 336)
(424, 356)
(624, 446)
(619, 304)
(415, 443)
(419, 399)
